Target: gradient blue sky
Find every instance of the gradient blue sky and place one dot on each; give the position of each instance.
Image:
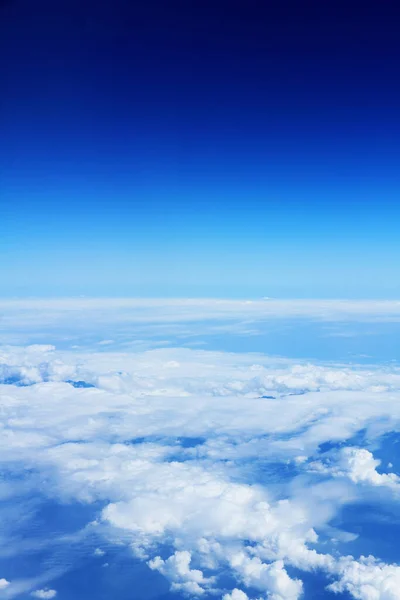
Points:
(199, 149)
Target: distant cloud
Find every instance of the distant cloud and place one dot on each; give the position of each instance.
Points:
(44, 594)
(4, 583)
(21, 318)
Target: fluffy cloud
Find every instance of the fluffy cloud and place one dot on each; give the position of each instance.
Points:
(359, 465)
(215, 456)
(236, 595)
(4, 583)
(271, 578)
(44, 594)
(177, 569)
(367, 579)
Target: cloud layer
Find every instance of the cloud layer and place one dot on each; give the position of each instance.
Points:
(83, 320)
(211, 467)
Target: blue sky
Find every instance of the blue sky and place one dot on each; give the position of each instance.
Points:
(240, 448)
(204, 151)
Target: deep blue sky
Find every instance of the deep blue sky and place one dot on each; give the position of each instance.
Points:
(199, 148)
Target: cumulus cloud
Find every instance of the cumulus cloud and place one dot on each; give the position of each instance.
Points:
(4, 583)
(215, 457)
(359, 465)
(177, 569)
(368, 579)
(271, 578)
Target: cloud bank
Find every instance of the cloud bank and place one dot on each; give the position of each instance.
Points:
(22, 321)
(222, 472)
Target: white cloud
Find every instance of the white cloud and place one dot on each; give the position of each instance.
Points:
(4, 583)
(184, 453)
(236, 595)
(139, 310)
(44, 594)
(368, 579)
(73, 318)
(359, 465)
(177, 569)
(271, 578)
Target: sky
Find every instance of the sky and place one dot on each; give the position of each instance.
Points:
(199, 300)
(195, 149)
